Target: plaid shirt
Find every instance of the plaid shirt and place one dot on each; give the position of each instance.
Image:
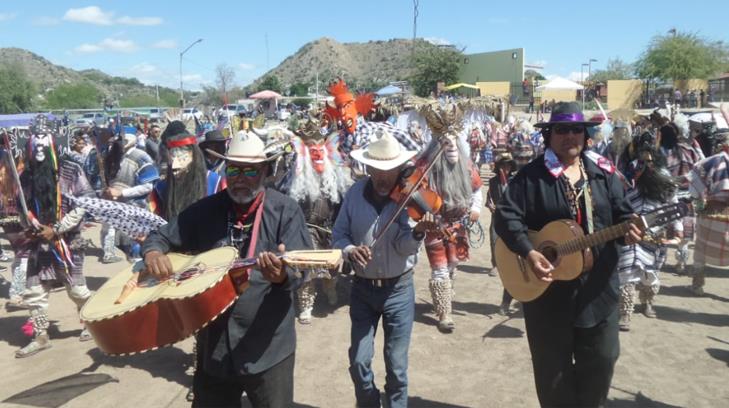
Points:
(709, 178)
(680, 160)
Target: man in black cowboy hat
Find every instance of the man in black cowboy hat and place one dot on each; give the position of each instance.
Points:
(573, 327)
(215, 141)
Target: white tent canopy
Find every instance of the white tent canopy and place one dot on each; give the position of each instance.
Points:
(561, 83)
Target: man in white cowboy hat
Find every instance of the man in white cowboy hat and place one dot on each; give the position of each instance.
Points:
(383, 281)
(249, 348)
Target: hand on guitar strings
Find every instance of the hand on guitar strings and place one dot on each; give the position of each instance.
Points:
(540, 265)
(158, 264)
(635, 234)
(271, 265)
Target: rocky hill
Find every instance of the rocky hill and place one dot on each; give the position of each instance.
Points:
(46, 75)
(369, 64)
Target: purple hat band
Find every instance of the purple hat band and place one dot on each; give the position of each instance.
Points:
(567, 117)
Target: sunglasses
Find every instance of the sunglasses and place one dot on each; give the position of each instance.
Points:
(250, 172)
(564, 129)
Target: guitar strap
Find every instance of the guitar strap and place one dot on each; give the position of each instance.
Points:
(588, 200)
(256, 227)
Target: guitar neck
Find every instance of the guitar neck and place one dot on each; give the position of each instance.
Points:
(594, 239)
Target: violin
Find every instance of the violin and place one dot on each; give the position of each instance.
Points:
(413, 186)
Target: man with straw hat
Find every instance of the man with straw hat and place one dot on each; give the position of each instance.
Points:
(383, 283)
(250, 347)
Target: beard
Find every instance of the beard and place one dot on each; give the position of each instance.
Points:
(243, 195)
(188, 186)
(452, 181)
(43, 188)
(307, 184)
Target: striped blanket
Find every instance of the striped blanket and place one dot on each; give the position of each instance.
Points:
(712, 242)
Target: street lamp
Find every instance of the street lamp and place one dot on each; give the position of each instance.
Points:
(182, 95)
(582, 82)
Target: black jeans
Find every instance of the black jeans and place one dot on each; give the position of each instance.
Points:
(273, 388)
(573, 367)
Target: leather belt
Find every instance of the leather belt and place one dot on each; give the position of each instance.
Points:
(384, 282)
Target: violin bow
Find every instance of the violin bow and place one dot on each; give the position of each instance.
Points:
(410, 193)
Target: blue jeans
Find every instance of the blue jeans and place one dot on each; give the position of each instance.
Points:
(396, 304)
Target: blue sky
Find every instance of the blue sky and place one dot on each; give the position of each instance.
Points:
(143, 39)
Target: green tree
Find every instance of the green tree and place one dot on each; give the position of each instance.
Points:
(432, 64)
(682, 56)
(74, 96)
(530, 73)
(271, 83)
(615, 69)
(17, 91)
(299, 89)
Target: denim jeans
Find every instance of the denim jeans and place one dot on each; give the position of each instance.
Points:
(396, 305)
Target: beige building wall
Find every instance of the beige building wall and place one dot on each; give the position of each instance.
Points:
(623, 93)
(494, 88)
(688, 84)
(559, 95)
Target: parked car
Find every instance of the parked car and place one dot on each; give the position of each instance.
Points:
(91, 118)
(190, 113)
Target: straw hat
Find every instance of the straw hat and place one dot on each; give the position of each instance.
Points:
(385, 153)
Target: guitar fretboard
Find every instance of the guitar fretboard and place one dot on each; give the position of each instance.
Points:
(594, 239)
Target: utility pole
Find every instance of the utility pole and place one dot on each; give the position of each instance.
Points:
(182, 95)
(582, 82)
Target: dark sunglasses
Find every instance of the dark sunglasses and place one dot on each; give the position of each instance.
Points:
(564, 129)
(250, 172)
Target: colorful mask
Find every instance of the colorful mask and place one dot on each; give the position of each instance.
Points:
(346, 106)
(316, 154)
(180, 158)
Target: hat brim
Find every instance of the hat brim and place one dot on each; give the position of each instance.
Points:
(245, 159)
(361, 156)
(542, 125)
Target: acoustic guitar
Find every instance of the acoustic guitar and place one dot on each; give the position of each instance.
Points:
(566, 246)
(134, 312)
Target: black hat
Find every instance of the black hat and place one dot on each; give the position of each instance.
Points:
(214, 136)
(176, 135)
(566, 112)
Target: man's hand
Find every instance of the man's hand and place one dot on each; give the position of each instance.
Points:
(271, 266)
(426, 224)
(473, 217)
(46, 233)
(158, 264)
(360, 255)
(540, 265)
(634, 235)
(112, 193)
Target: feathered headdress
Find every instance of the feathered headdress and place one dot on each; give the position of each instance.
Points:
(443, 120)
(346, 106)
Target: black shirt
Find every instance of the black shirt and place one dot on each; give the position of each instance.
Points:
(257, 332)
(534, 198)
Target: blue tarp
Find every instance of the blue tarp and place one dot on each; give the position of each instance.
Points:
(389, 90)
(21, 119)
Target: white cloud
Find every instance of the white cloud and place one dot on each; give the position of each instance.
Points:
(7, 16)
(140, 21)
(246, 67)
(97, 16)
(437, 41)
(165, 44)
(89, 15)
(46, 21)
(192, 77)
(144, 68)
(107, 44)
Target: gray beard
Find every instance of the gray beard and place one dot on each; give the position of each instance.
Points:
(243, 198)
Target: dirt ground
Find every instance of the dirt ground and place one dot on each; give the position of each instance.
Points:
(679, 359)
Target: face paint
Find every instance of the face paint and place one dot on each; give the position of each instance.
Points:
(181, 158)
(316, 154)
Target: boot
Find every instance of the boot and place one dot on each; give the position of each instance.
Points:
(698, 280)
(40, 340)
(646, 295)
(440, 290)
(626, 306)
(505, 306)
(305, 299)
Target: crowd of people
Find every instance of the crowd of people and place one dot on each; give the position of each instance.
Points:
(332, 179)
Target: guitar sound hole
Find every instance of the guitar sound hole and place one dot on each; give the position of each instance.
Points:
(550, 253)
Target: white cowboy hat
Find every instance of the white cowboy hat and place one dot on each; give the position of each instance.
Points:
(246, 147)
(384, 153)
